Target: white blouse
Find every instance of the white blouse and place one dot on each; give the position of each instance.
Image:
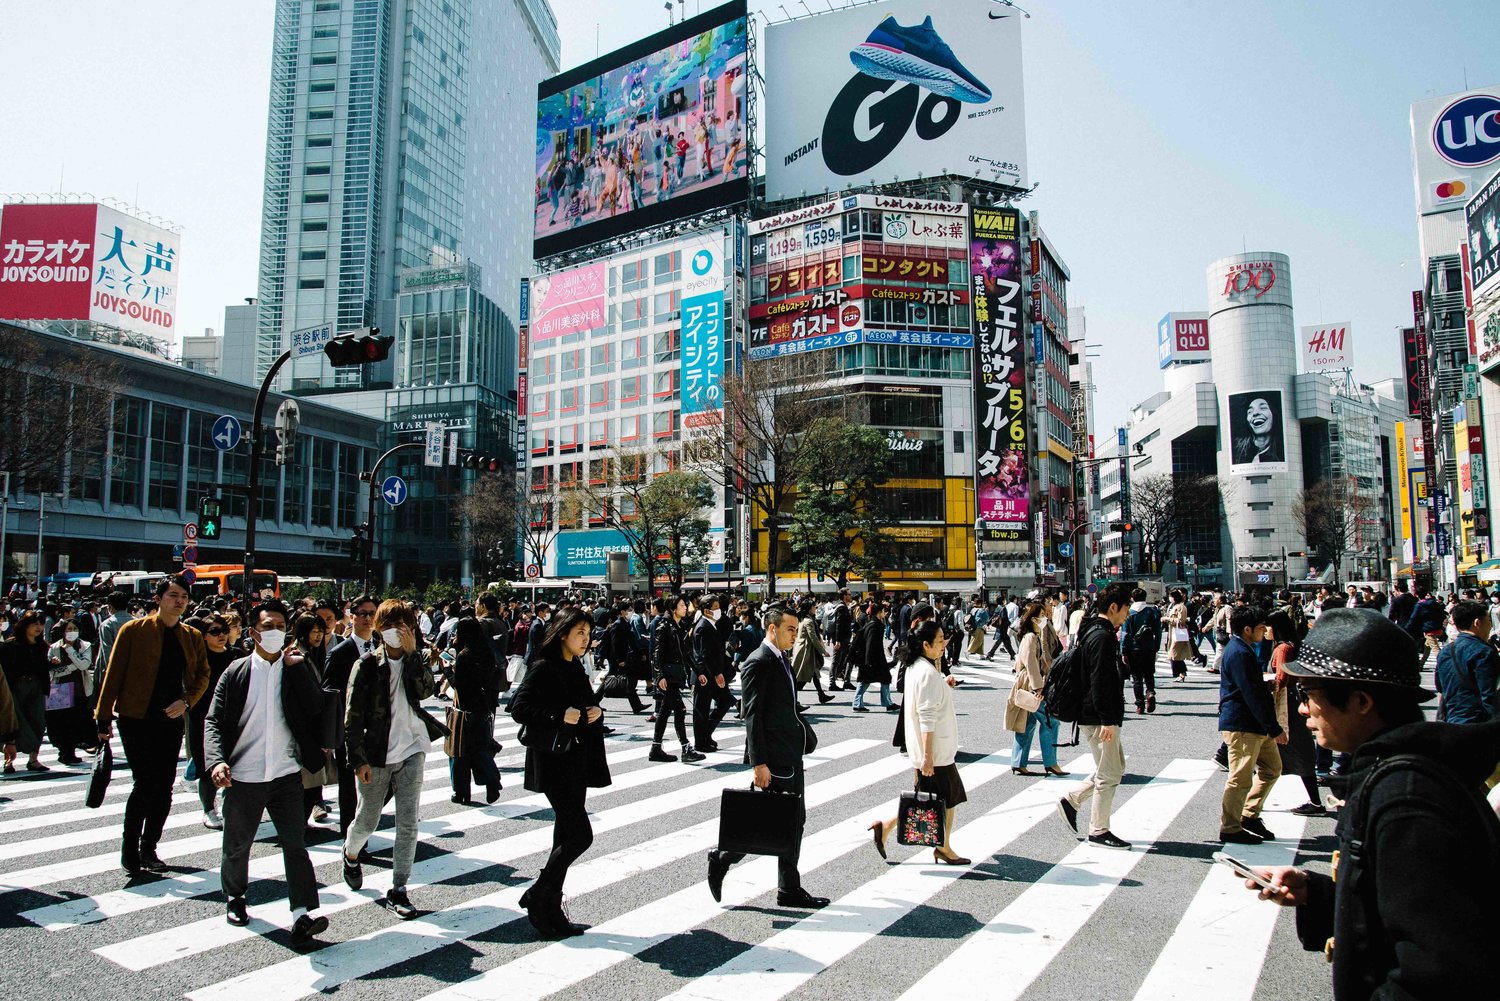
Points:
(929, 709)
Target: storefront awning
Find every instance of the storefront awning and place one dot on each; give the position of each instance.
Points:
(1486, 572)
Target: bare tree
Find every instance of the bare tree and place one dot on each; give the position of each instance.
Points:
(490, 508)
(662, 513)
(58, 403)
(544, 513)
(1165, 508)
(1331, 514)
(758, 449)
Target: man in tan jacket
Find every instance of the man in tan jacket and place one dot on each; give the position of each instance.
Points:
(158, 667)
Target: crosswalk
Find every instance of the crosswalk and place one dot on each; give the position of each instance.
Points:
(1032, 896)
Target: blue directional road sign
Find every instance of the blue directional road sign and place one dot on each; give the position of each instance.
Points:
(226, 433)
(1065, 550)
(394, 491)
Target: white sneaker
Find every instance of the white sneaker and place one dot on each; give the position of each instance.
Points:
(319, 814)
(213, 821)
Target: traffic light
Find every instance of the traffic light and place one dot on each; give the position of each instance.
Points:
(363, 347)
(208, 520)
(357, 546)
(482, 463)
(1122, 527)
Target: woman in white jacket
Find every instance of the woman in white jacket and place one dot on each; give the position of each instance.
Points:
(931, 733)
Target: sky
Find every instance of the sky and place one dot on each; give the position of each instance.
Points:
(1163, 136)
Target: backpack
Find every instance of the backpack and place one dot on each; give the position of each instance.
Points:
(1066, 685)
(1145, 635)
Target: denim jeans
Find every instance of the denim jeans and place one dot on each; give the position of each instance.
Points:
(1045, 728)
(864, 686)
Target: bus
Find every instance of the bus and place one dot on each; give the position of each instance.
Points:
(549, 589)
(137, 582)
(229, 579)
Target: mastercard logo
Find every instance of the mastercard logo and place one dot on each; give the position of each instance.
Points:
(1450, 189)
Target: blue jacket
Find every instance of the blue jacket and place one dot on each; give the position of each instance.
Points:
(1427, 617)
(1467, 673)
(1245, 704)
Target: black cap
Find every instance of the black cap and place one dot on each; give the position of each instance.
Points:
(1362, 646)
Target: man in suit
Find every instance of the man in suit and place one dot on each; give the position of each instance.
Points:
(712, 699)
(843, 634)
(341, 660)
(774, 740)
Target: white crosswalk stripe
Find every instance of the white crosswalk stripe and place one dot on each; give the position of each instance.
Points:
(653, 825)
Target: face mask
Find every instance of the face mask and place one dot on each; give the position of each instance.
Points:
(271, 640)
(71, 635)
(392, 637)
(714, 615)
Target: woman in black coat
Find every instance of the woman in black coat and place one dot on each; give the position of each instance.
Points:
(24, 659)
(564, 738)
(476, 686)
(215, 630)
(874, 669)
(671, 669)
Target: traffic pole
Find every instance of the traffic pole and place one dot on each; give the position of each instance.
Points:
(373, 477)
(252, 499)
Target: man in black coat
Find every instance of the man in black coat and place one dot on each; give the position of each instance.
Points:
(1103, 712)
(774, 742)
(843, 635)
(712, 699)
(341, 660)
(266, 723)
(1401, 604)
(1409, 910)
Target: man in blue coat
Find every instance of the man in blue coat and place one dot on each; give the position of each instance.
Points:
(1468, 669)
(1247, 721)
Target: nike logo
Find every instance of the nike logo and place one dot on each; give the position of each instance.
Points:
(998, 17)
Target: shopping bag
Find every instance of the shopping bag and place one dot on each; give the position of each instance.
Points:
(759, 822)
(920, 819)
(60, 696)
(1179, 634)
(453, 743)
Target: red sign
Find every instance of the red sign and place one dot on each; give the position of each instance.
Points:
(523, 340)
(46, 261)
(803, 279)
(1258, 277)
(521, 395)
(1191, 335)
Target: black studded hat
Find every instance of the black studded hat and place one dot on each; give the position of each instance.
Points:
(1360, 645)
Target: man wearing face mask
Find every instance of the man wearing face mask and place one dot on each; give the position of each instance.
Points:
(711, 697)
(264, 726)
(386, 736)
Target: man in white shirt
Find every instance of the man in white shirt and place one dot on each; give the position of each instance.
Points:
(265, 724)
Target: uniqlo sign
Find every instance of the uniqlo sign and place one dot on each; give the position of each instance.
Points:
(87, 262)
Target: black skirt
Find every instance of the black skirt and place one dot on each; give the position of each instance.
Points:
(946, 782)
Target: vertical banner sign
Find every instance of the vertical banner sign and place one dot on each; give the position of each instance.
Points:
(703, 339)
(1424, 395)
(1002, 466)
(523, 452)
(1408, 529)
(1479, 490)
(1411, 369)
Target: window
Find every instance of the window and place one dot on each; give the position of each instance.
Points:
(318, 169)
(314, 225)
(668, 267)
(601, 361)
(599, 434)
(568, 474)
(325, 58)
(309, 284)
(630, 391)
(632, 470)
(166, 457)
(668, 306)
(567, 400)
(598, 472)
(128, 453)
(664, 424)
(540, 477)
(567, 438)
(542, 369)
(541, 442)
(319, 142)
(326, 32)
(315, 198)
(321, 87)
(541, 403)
(630, 428)
(666, 345)
(633, 352)
(319, 114)
(665, 384)
(633, 313)
(313, 255)
(633, 276)
(325, 5)
(599, 394)
(572, 363)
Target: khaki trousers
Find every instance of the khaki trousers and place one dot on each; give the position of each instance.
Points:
(1109, 768)
(1250, 754)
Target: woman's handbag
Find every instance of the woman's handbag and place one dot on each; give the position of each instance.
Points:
(563, 739)
(453, 743)
(920, 819)
(60, 695)
(1179, 634)
(759, 822)
(1029, 701)
(99, 778)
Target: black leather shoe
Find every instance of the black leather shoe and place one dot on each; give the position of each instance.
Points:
(151, 863)
(131, 864)
(1257, 827)
(825, 699)
(799, 898)
(1239, 838)
(460, 800)
(235, 914)
(657, 754)
(1068, 813)
(717, 869)
(689, 754)
(307, 926)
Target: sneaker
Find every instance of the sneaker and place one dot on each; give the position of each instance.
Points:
(689, 754)
(1239, 838)
(1108, 840)
(396, 901)
(1309, 810)
(1069, 814)
(354, 874)
(657, 754)
(212, 820)
(307, 926)
(1257, 827)
(917, 54)
(319, 813)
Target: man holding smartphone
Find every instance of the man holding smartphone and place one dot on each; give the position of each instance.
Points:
(1408, 910)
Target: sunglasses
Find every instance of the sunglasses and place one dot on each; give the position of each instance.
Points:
(1306, 690)
(364, 615)
(216, 631)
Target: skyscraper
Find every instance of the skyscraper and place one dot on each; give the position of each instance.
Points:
(391, 145)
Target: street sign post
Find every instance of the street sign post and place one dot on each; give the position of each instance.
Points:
(432, 453)
(393, 489)
(1065, 550)
(533, 571)
(226, 433)
(311, 340)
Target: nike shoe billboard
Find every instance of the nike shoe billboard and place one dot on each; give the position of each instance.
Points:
(895, 90)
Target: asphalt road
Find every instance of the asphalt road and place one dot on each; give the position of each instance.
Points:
(1036, 916)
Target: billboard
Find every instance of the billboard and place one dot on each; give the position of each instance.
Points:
(1411, 368)
(1326, 346)
(1257, 433)
(1482, 214)
(1456, 144)
(703, 340)
(87, 262)
(1002, 466)
(647, 134)
(895, 91)
(569, 302)
(586, 553)
(1182, 337)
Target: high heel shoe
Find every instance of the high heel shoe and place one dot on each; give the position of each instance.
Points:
(878, 829)
(1023, 771)
(938, 856)
(1055, 770)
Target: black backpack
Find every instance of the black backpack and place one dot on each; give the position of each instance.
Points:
(1066, 685)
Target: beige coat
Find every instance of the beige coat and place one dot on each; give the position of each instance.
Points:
(1177, 618)
(808, 652)
(1032, 665)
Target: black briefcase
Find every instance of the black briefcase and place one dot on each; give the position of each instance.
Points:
(99, 779)
(757, 822)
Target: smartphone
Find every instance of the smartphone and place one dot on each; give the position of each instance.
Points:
(1244, 869)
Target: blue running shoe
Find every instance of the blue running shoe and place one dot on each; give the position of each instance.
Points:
(917, 55)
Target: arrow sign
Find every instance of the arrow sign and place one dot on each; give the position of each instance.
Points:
(394, 491)
(178, 550)
(1065, 550)
(226, 433)
(190, 531)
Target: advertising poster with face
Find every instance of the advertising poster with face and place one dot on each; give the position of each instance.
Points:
(1257, 433)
